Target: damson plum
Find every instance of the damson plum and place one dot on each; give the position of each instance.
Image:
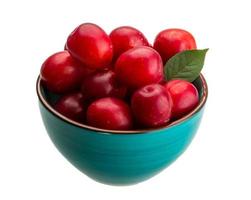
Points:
(152, 105)
(172, 41)
(125, 38)
(102, 84)
(184, 95)
(109, 113)
(91, 45)
(61, 73)
(139, 66)
(72, 106)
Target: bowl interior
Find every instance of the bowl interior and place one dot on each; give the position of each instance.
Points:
(48, 99)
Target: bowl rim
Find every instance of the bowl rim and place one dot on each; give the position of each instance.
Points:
(131, 132)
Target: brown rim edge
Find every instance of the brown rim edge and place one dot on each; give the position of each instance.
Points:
(137, 131)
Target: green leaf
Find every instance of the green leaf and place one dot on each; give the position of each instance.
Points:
(185, 65)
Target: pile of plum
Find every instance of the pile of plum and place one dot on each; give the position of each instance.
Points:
(116, 81)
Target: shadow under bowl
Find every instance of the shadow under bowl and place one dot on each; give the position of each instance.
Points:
(120, 157)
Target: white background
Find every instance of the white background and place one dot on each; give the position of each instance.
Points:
(217, 165)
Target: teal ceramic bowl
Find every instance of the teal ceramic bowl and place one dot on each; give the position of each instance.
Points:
(120, 157)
